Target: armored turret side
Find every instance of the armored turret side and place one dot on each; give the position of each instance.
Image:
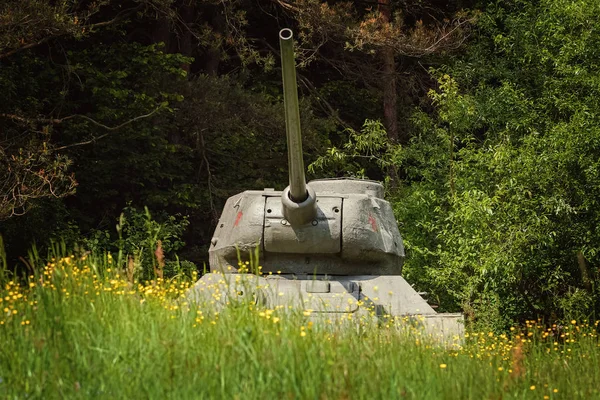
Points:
(239, 231)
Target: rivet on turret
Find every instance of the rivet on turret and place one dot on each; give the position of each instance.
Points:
(315, 222)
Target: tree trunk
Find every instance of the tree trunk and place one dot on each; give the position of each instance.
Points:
(390, 115)
(213, 53)
(390, 97)
(187, 14)
(161, 32)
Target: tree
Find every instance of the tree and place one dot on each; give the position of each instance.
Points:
(32, 115)
(43, 125)
(377, 46)
(501, 212)
(26, 24)
(101, 100)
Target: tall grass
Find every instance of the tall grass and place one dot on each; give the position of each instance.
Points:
(82, 328)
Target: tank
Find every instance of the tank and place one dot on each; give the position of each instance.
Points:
(331, 246)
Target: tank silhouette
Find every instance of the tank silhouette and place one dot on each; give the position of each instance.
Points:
(331, 246)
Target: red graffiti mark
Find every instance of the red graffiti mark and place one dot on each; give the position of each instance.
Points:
(237, 219)
(373, 223)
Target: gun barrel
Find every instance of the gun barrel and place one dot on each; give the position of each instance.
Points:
(298, 192)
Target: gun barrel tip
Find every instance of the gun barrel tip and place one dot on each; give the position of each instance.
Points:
(286, 34)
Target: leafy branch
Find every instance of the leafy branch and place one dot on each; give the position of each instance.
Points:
(365, 149)
(54, 121)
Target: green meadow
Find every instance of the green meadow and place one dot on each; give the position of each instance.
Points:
(84, 327)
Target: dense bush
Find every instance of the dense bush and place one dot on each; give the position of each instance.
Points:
(501, 211)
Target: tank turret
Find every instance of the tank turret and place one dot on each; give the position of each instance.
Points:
(332, 241)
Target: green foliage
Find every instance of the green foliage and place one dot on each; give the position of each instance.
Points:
(29, 168)
(502, 211)
(139, 161)
(82, 329)
(139, 235)
(238, 140)
(184, 156)
(25, 23)
(362, 150)
(139, 231)
(94, 89)
(30, 23)
(353, 103)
